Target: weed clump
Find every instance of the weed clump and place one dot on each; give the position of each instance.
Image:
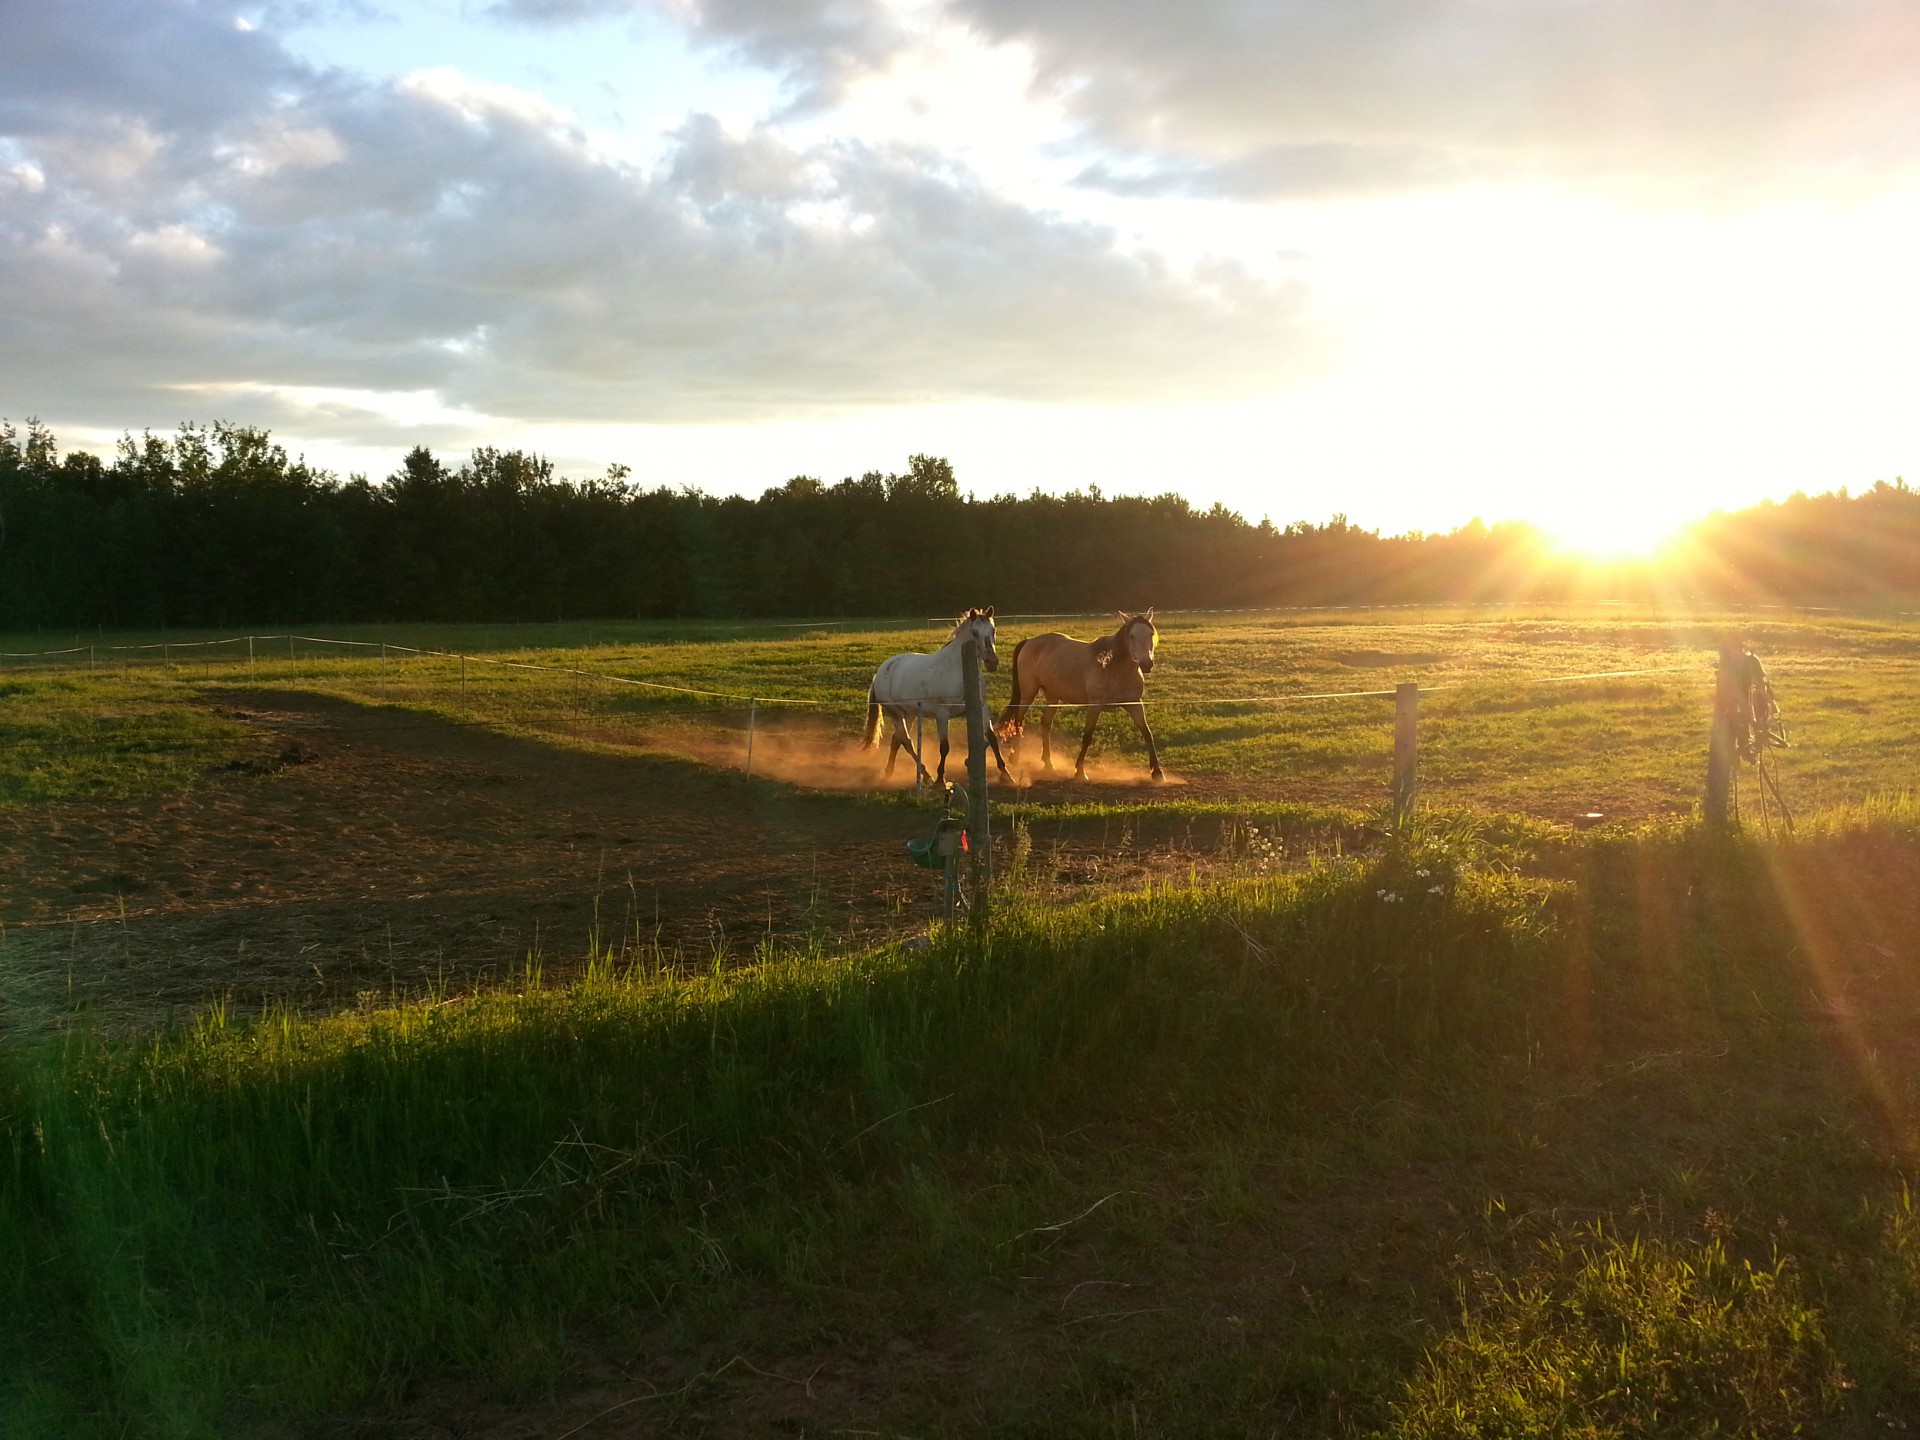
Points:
(1609, 1337)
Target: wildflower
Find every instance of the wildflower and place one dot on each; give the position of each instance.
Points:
(1436, 890)
(1423, 872)
(1387, 896)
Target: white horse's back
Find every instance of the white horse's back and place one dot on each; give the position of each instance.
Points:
(922, 682)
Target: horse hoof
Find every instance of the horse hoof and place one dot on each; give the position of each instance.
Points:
(1079, 774)
(1158, 776)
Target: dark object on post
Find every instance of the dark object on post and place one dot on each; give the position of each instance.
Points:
(1758, 725)
(1746, 726)
(936, 851)
(978, 723)
(1406, 748)
(942, 851)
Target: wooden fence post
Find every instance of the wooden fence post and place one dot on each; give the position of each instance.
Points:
(753, 715)
(1406, 750)
(979, 830)
(1718, 807)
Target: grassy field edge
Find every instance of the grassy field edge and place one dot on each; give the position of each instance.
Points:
(285, 1217)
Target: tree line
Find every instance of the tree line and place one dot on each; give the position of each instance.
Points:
(218, 526)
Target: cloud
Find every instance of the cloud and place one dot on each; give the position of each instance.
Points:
(244, 225)
(1309, 97)
(1280, 172)
(1749, 95)
(817, 46)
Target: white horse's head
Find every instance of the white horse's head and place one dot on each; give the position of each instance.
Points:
(1141, 635)
(977, 625)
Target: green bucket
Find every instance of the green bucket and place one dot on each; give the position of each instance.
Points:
(931, 852)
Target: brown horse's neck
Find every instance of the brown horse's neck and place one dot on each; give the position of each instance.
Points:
(1113, 652)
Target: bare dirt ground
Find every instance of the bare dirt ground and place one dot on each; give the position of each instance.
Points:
(384, 851)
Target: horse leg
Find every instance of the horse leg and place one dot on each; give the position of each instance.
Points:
(1139, 713)
(940, 722)
(1046, 736)
(1093, 719)
(894, 742)
(993, 741)
(917, 750)
(902, 740)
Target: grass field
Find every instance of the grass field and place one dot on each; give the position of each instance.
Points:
(1500, 732)
(1490, 1128)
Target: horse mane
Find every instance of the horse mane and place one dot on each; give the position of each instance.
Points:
(974, 612)
(1108, 646)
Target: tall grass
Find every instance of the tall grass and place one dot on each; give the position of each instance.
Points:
(290, 1217)
(288, 1213)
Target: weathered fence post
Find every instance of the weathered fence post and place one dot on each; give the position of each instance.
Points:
(1721, 745)
(979, 831)
(1406, 750)
(250, 670)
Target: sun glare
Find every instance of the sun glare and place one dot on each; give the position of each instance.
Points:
(1628, 532)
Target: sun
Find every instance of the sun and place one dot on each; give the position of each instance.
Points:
(1626, 531)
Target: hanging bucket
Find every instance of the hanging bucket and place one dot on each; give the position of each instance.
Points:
(932, 852)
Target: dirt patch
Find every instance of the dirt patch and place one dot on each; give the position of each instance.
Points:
(381, 850)
(374, 851)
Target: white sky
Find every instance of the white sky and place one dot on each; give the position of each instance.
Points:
(1605, 265)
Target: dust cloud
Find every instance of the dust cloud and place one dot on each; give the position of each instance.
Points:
(818, 754)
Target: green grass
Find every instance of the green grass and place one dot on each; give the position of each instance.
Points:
(1604, 1337)
(80, 734)
(1489, 1130)
(1407, 1145)
(1495, 736)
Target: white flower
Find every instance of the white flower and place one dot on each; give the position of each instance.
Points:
(1387, 896)
(1422, 872)
(1437, 890)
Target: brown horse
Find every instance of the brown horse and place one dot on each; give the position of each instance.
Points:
(1105, 674)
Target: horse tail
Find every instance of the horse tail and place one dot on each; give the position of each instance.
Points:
(872, 735)
(1013, 719)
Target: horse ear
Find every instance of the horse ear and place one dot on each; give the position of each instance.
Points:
(1149, 612)
(989, 612)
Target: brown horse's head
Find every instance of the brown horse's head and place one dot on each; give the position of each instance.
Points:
(977, 625)
(1133, 641)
